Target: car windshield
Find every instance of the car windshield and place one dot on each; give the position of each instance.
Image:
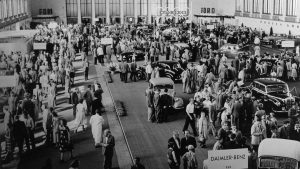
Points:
(279, 88)
(166, 86)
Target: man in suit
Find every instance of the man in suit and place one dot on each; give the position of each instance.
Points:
(235, 111)
(75, 100)
(175, 140)
(133, 70)
(166, 102)
(108, 145)
(20, 133)
(283, 131)
(186, 141)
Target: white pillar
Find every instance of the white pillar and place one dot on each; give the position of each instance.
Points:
(149, 11)
(135, 11)
(107, 12)
(164, 7)
(122, 11)
(93, 12)
(78, 12)
(17, 26)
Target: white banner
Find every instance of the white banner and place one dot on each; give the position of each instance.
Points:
(106, 41)
(39, 46)
(228, 159)
(288, 44)
(210, 26)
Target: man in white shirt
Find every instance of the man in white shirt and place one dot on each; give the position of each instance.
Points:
(190, 117)
(100, 54)
(149, 70)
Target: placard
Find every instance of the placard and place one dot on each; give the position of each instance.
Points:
(39, 46)
(210, 27)
(228, 159)
(288, 44)
(106, 41)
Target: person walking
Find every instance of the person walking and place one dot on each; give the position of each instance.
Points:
(150, 104)
(75, 100)
(203, 129)
(30, 131)
(65, 144)
(189, 159)
(190, 117)
(97, 122)
(171, 155)
(257, 131)
(186, 141)
(100, 54)
(55, 125)
(80, 115)
(133, 71)
(86, 65)
(108, 144)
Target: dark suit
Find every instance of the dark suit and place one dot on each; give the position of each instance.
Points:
(96, 104)
(108, 151)
(235, 111)
(133, 74)
(75, 101)
(176, 149)
(166, 103)
(185, 142)
(212, 114)
(20, 133)
(283, 132)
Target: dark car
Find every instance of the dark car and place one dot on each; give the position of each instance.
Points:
(170, 69)
(233, 50)
(271, 40)
(128, 55)
(275, 94)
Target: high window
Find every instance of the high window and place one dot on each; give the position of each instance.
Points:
(100, 8)
(86, 8)
(256, 6)
(114, 7)
(142, 7)
(71, 8)
(238, 5)
(291, 7)
(266, 6)
(247, 6)
(128, 8)
(278, 7)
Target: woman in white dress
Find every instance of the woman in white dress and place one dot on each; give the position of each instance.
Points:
(294, 71)
(97, 122)
(81, 110)
(52, 95)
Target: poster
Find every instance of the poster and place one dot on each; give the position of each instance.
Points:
(288, 44)
(229, 159)
(106, 41)
(210, 27)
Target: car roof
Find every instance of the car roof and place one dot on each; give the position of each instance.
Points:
(269, 81)
(283, 148)
(161, 81)
(167, 62)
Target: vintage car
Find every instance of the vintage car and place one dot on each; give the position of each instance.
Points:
(271, 40)
(167, 83)
(274, 92)
(278, 153)
(233, 50)
(128, 55)
(170, 69)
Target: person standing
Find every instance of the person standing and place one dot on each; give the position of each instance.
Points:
(100, 54)
(88, 96)
(189, 158)
(235, 113)
(186, 141)
(150, 104)
(108, 144)
(175, 140)
(80, 115)
(75, 100)
(55, 125)
(20, 133)
(86, 65)
(121, 67)
(157, 105)
(171, 155)
(125, 71)
(65, 144)
(190, 117)
(30, 131)
(203, 129)
(257, 131)
(149, 70)
(166, 102)
(97, 122)
(133, 70)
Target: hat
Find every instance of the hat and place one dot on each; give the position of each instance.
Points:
(191, 147)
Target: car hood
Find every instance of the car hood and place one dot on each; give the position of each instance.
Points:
(279, 95)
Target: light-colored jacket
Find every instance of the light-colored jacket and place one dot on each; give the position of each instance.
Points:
(256, 133)
(203, 127)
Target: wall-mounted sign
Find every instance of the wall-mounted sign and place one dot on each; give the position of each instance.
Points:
(228, 159)
(288, 44)
(208, 10)
(173, 12)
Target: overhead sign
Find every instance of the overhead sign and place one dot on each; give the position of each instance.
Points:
(210, 27)
(52, 25)
(39, 46)
(288, 44)
(106, 41)
(228, 159)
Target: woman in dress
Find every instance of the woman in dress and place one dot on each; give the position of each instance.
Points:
(52, 95)
(203, 129)
(65, 144)
(81, 110)
(294, 71)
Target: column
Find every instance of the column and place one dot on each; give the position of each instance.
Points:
(93, 12)
(149, 11)
(284, 10)
(261, 7)
(177, 8)
(164, 8)
(122, 11)
(78, 12)
(242, 6)
(107, 12)
(271, 9)
(135, 6)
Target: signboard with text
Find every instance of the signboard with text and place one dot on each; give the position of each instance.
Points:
(106, 41)
(288, 44)
(39, 46)
(210, 27)
(228, 159)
